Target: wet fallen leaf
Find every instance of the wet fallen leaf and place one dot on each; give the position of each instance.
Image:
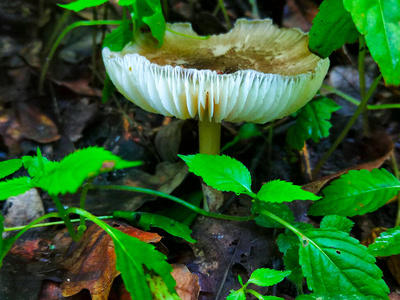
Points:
(92, 263)
(187, 284)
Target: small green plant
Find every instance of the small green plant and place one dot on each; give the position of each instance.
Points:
(261, 277)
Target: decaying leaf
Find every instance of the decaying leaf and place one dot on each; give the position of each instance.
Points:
(187, 284)
(92, 263)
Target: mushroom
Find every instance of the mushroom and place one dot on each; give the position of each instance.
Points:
(256, 73)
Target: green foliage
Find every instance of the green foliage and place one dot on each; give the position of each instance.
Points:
(337, 222)
(14, 187)
(311, 122)
(334, 296)
(9, 166)
(220, 172)
(38, 167)
(1, 235)
(387, 244)
(132, 255)
(332, 28)
(278, 191)
(279, 209)
(160, 290)
(75, 168)
(147, 220)
(378, 21)
(118, 38)
(260, 277)
(246, 131)
(82, 4)
(357, 193)
(331, 259)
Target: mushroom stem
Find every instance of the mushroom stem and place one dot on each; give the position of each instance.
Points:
(210, 136)
(210, 141)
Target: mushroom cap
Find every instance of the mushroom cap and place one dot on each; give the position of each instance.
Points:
(256, 73)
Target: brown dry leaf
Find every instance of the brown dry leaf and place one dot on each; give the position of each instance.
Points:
(35, 125)
(81, 87)
(187, 284)
(92, 263)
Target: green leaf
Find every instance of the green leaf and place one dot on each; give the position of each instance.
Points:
(220, 172)
(33, 165)
(267, 277)
(279, 209)
(75, 168)
(335, 296)
(160, 290)
(357, 193)
(147, 220)
(331, 259)
(337, 222)
(82, 4)
(387, 244)
(278, 191)
(246, 131)
(8, 167)
(157, 25)
(312, 122)
(132, 254)
(14, 187)
(332, 28)
(118, 38)
(1, 235)
(236, 295)
(378, 20)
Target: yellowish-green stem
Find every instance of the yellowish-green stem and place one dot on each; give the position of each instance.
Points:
(210, 143)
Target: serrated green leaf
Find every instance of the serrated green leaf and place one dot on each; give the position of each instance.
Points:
(378, 20)
(147, 220)
(75, 168)
(14, 187)
(117, 39)
(312, 122)
(357, 193)
(278, 209)
(332, 28)
(220, 172)
(337, 222)
(236, 295)
(335, 296)
(33, 166)
(267, 277)
(331, 259)
(387, 244)
(82, 4)
(278, 191)
(159, 289)
(132, 254)
(8, 167)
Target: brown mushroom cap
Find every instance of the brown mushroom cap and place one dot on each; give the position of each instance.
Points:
(257, 73)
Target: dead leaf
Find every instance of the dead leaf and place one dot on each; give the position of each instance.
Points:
(187, 284)
(92, 263)
(35, 125)
(168, 140)
(81, 87)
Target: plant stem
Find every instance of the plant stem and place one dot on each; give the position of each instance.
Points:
(61, 36)
(348, 126)
(284, 223)
(225, 13)
(175, 199)
(361, 79)
(82, 202)
(53, 215)
(32, 224)
(64, 216)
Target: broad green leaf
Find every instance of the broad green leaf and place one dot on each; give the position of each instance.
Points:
(279, 209)
(82, 4)
(332, 28)
(337, 222)
(378, 20)
(236, 295)
(32, 165)
(8, 167)
(357, 193)
(157, 25)
(278, 191)
(311, 122)
(132, 255)
(147, 220)
(246, 131)
(336, 296)
(118, 38)
(220, 172)
(387, 244)
(14, 187)
(331, 259)
(160, 290)
(267, 277)
(75, 168)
